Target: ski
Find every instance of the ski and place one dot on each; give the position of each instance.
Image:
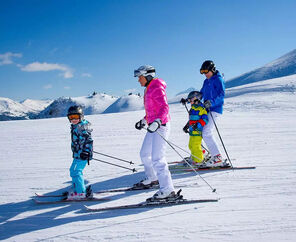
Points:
(126, 189)
(189, 169)
(53, 195)
(152, 204)
(71, 201)
(187, 158)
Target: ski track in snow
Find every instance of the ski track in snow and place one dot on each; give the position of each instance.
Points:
(256, 205)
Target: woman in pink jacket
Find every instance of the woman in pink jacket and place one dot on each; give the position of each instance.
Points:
(153, 148)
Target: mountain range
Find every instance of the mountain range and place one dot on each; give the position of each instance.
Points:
(102, 103)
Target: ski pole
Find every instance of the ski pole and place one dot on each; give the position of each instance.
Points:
(133, 170)
(221, 139)
(130, 162)
(213, 189)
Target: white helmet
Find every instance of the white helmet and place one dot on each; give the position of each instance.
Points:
(145, 70)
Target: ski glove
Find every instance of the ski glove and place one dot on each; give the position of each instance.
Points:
(141, 124)
(183, 101)
(85, 155)
(185, 128)
(154, 126)
(197, 126)
(207, 104)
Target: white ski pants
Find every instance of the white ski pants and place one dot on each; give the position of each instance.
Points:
(208, 135)
(153, 157)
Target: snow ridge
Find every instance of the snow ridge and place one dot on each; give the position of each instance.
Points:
(283, 66)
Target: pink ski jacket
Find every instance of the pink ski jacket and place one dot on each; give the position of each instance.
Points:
(155, 102)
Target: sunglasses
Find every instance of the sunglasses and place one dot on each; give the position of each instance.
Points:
(204, 71)
(73, 116)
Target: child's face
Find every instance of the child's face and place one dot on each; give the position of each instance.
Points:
(74, 121)
(192, 100)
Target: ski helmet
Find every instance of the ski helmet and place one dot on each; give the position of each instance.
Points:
(145, 70)
(76, 110)
(207, 66)
(194, 94)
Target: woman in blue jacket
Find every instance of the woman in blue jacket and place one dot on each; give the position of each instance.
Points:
(213, 91)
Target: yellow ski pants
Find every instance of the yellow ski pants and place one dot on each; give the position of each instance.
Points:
(195, 148)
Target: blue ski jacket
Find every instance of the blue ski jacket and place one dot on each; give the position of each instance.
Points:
(213, 89)
(81, 139)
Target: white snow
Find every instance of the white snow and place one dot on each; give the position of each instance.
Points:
(257, 127)
(283, 66)
(36, 105)
(126, 103)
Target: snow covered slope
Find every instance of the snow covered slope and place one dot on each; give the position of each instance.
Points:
(93, 104)
(12, 110)
(283, 66)
(258, 129)
(36, 105)
(125, 104)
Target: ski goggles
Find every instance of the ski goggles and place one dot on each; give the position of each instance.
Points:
(204, 71)
(138, 73)
(73, 116)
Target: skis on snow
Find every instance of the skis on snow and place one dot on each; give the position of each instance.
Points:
(176, 169)
(179, 200)
(126, 189)
(65, 200)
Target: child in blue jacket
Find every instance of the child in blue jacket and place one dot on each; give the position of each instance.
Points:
(82, 148)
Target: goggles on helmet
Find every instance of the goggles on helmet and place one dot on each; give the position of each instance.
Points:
(138, 73)
(73, 116)
(204, 71)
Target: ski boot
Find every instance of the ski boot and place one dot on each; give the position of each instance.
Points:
(89, 192)
(165, 197)
(145, 184)
(216, 161)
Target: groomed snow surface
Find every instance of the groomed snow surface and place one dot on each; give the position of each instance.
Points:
(258, 129)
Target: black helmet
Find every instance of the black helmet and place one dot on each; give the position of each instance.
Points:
(193, 94)
(76, 110)
(207, 66)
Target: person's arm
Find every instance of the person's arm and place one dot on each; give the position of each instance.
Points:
(87, 140)
(220, 91)
(160, 99)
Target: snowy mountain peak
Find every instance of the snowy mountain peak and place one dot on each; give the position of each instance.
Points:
(126, 103)
(93, 104)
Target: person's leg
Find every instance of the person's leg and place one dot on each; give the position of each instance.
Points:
(145, 155)
(77, 175)
(196, 150)
(208, 135)
(158, 159)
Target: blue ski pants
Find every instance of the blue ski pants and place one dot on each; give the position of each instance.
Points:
(77, 175)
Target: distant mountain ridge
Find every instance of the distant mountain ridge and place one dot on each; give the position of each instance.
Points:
(103, 103)
(93, 104)
(283, 66)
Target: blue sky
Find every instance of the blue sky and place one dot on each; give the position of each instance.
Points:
(53, 48)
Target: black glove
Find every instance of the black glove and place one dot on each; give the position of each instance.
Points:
(183, 101)
(197, 126)
(185, 128)
(141, 124)
(207, 104)
(84, 155)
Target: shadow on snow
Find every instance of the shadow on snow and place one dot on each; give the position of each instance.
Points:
(10, 227)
